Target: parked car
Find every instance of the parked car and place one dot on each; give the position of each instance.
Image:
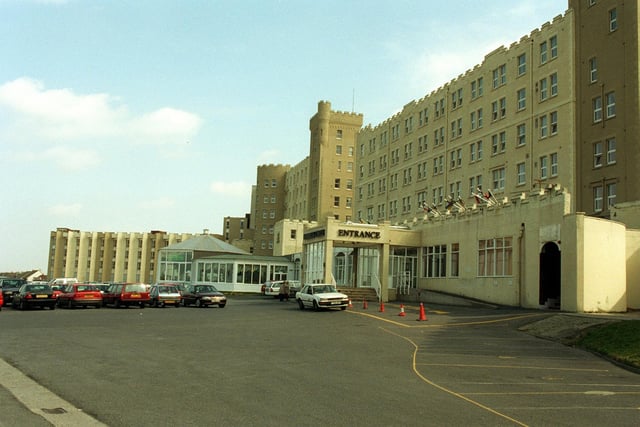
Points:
(164, 293)
(203, 296)
(126, 294)
(272, 288)
(80, 295)
(294, 286)
(64, 281)
(10, 286)
(1, 299)
(102, 287)
(321, 295)
(30, 295)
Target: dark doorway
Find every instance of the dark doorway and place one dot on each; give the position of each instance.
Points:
(550, 275)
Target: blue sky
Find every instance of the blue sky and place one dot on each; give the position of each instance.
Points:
(153, 115)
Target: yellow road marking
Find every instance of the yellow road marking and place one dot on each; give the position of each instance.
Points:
(446, 390)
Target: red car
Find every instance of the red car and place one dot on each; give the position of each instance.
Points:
(126, 294)
(80, 295)
(1, 300)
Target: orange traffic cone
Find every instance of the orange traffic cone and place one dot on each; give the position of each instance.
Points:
(401, 314)
(364, 303)
(350, 305)
(423, 315)
(381, 310)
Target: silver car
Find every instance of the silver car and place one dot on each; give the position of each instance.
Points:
(161, 295)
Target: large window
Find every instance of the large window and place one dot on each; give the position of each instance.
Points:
(175, 265)
(495, 257)
(435, 261)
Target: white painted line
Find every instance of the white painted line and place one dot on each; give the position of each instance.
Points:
(41, 401)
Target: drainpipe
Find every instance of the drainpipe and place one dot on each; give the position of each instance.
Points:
(521, 259)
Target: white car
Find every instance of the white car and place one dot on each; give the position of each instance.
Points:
(321, 295)
(272, 289)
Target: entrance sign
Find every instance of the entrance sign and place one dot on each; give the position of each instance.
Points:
(358, 234)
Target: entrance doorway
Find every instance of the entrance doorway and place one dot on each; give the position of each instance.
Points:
(550, 274)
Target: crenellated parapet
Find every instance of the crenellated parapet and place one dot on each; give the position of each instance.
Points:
(488, 205)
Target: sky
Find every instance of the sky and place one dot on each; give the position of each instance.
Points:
(120, 115)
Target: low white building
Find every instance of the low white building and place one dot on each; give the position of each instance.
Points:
(530, 251)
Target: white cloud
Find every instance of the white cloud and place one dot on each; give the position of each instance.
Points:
(66, 210)
(166, 125)
(231, 189)
(70, 159)
(62, 114)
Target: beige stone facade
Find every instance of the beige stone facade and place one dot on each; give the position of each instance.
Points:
(268, 205)
(93, 256)
(505, 125)
(237, 232)
(607, 104)
(331, 161)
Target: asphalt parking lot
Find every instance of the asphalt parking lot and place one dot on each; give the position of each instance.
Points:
(259, 361)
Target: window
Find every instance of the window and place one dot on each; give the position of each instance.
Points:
(553, 119)
(455, 260)
(543, 167)
(554, 84)
(499, 76)
(494, 110)
(522, 99)
(613, 20)
(611, 104)
(597, 155)
(408, 124)
(336, 183)
(522, 64)
(503, 141)
(521, 138)
(274, 183)
(611, 151)
(338, 149)
(554, 164)
(339, 134)
(543, 52)
(498, 179)
(476, 88)
(544, 130)
(336, 201)
(521, 175)
(503, 107)
(611, 195)
(349, 202)
(543, 90)
(495, 257)
(423, 117)
(593, 70)
(597, 198)
(435, 261)
(553, 43)
(597, 109)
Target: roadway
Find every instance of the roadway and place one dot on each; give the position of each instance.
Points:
(262, 362)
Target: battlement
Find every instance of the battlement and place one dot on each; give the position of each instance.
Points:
(544, 29)
(494, 206)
